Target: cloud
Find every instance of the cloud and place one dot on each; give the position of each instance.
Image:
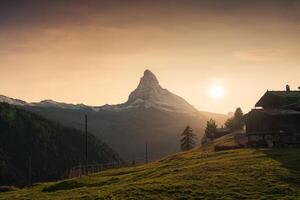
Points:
(260, 54)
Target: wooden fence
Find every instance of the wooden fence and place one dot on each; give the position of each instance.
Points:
(81, 170)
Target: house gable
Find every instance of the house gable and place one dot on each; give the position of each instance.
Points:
(278, 99)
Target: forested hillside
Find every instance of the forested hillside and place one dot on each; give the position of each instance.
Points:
(35, 149)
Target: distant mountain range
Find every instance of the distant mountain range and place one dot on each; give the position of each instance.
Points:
(152, 115)
(30, 144)
(149, 94)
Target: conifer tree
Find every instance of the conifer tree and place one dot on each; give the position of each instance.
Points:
(238, 117)
(236, 122)
(188, 139)
(210, 129)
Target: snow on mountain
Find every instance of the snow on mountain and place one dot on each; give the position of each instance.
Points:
(45, 103)
(55, 104)
(12, 101)
(150, 94)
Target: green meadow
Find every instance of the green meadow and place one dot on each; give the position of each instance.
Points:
(233, 174)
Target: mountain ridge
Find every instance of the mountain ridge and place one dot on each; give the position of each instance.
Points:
(148, 94)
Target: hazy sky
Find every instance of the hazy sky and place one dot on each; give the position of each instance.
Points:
(94, 52)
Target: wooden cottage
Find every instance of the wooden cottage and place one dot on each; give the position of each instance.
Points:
(274, 121)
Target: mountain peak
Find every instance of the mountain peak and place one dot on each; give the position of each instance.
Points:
(148, 80)
(147, 86)
(150, 94)
(149, 74)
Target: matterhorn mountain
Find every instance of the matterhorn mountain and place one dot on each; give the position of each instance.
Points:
(151, 115)
(149, 94)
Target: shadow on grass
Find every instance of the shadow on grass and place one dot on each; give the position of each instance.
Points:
(77, 183)
(290, 159)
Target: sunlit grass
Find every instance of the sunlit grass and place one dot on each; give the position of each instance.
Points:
(234, 174)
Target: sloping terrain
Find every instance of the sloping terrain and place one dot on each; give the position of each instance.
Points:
(128, 131)
(30, 144)
(234, 174)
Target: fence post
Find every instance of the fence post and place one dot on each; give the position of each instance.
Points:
(29, 171)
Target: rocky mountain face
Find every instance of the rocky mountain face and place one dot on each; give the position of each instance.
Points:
(151, 94)
(151, 115)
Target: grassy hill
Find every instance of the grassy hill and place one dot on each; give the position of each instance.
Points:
(28, 141)
(234, 174)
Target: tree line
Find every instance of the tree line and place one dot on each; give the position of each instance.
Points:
(189, 138)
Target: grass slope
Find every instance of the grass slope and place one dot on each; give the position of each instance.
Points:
(235, 174)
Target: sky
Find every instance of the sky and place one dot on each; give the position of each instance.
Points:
(94, 52)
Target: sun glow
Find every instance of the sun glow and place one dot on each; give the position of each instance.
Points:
(216, 92)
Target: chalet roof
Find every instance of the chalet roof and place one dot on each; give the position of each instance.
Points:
(276, 112)
(280, 98)
(286, 94)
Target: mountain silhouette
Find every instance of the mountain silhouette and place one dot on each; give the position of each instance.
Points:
(50, 148)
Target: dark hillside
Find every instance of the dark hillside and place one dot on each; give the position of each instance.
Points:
(50, 147)
(127, 131)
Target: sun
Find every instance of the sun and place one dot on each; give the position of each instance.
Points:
(216, 92)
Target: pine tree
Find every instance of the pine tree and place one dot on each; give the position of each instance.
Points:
(236, 122)
(210, 129)
(229, 124)
(238, 118)
(188, 139)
